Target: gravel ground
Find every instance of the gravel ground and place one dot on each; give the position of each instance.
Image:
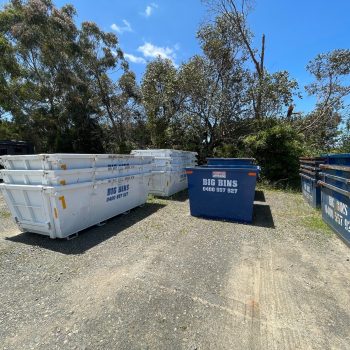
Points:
(161, 279)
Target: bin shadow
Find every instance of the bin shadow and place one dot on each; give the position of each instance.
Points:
(178, 197)
(259, 196)
(91, 236)
(262, 216)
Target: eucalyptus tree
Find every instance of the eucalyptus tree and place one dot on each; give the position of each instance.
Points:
(160, 99)
(331, 87)
(214, 86)
(56, 78)
(36, 66)
(269, 93)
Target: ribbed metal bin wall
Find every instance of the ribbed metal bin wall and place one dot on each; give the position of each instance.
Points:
(335, 194)
(310, 173)
(61, 194)
(168, 173)
(69, 177)
(60, 211)
(70, 161)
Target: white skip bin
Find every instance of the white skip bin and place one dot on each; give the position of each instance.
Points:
(70, 161)
(168, 165)
(69, 177)
(164, 153)
(167, 183)
(60, 211)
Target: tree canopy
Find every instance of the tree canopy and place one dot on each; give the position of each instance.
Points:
(68, 88)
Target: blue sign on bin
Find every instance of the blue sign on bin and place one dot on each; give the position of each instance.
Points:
(311, 191)
(336, 210)
(222, 193)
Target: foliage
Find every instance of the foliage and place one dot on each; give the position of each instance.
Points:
(277, 149)
(68, 88)
(331, 87)
(55, 78)
(8, 130)
(159, 92)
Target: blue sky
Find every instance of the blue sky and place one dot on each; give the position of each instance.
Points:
(296, 31)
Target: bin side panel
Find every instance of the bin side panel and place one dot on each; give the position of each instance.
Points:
(81, 208)
(222, 194)
(167, 183)
(336, 212)
(311, 192)
(28, 209)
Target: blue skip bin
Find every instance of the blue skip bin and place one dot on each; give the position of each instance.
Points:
(338, 159)
(230, 161)
(335, 204)
(222, 193)
(310, 174)
(311, 190)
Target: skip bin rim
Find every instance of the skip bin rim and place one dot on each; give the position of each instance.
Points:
(164, 150)
(72, 186)
(337, 155)
(252, 169)
(230, 159)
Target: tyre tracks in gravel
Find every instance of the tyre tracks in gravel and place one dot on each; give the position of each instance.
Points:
(171, 281)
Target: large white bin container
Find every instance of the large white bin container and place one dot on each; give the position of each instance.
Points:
(68, 177)
(164, 153)
(60, 211)
(167, 164)
(168, 175)
(167, 183)
(70, 161)
(169, 161)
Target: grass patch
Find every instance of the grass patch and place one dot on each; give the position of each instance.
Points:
(266, 186)
(5, 215)
(315, 222)
(156, 200)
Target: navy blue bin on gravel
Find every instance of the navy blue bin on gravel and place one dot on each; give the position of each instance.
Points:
(230, 161)
(335, 194)
(336, 210)
(310, 173)
(225, 193)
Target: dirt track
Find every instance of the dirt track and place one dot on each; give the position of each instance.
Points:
(161, 279)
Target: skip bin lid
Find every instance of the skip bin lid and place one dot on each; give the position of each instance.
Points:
(238, 169)
(337, 155)
(230, 159)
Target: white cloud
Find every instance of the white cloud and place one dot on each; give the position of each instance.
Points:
(153, 51)
(126, 27)
(134, 59)
(149, 9)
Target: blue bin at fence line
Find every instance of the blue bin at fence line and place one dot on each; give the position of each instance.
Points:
(225, 193)
(337, 159)
(336, 175)
(230, 161)
(310, 173)
(311, 190)
(335, 203)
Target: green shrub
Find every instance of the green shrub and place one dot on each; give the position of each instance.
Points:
(277, 150)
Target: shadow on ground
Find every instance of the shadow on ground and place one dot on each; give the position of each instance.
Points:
(262, 216)
(90, 237)
(259, 196)
(178, 197)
